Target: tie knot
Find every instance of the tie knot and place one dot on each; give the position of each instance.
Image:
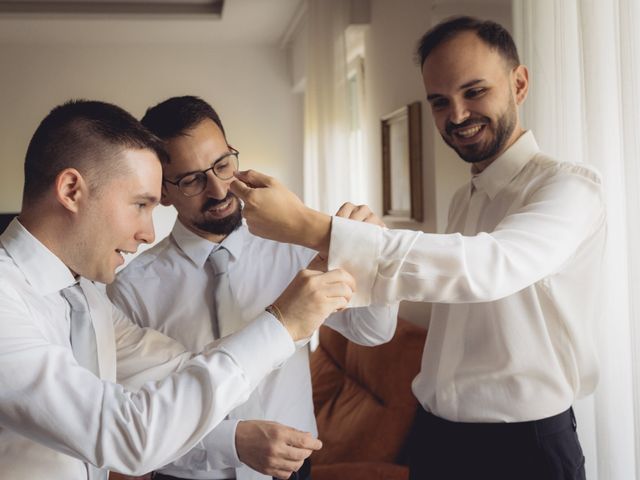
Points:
(219, 259)
(75, 296)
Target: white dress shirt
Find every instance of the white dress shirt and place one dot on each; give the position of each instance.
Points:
(55, 415)
(168, 287)
(516, 287)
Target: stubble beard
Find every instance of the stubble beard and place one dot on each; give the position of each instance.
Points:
(221, 226)
(479, 152)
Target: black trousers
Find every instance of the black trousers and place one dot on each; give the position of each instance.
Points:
(546, 449)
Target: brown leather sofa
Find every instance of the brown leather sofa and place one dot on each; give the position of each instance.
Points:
(364, 404)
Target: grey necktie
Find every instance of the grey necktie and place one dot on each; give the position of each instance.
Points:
(84, 346)
(224, 318)
(83, 336)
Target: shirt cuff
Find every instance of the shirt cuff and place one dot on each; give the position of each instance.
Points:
(355, 248)
(260, 347)
(220, 445)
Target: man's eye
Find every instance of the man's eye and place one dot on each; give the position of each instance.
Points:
(186, 181)
(439, 103)
(475, 92)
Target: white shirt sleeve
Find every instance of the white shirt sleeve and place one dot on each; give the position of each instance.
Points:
(47, 397)
(367, 326)
(527, 245)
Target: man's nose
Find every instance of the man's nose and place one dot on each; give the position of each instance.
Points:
(216, 188)
(459, 112)
(147, 233)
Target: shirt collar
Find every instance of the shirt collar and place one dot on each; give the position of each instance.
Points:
(198, 249)
(44, 271)
(504, 168)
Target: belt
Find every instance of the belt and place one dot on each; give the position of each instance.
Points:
(543, 426)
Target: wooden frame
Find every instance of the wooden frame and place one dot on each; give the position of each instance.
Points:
(402, 163)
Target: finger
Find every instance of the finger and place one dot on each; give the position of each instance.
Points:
(339, 275)
(337, 304)
(304, 440)
(240, 189)
(338, 289)
(254, 178)
(360, 213)
(282, 474)
(319, 263)
(288, 465)
(345, 210)
(293, 454)
(374, 220)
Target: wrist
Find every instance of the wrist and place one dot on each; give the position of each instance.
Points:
(317, 231)
(276, 312)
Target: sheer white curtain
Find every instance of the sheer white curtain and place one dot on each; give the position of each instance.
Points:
(326, 128)
(584, 105)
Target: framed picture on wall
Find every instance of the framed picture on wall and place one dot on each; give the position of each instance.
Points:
(402, 163)
(5, 220)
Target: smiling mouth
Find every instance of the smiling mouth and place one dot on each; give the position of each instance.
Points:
(469, 131)
(221, 207)
(122, 253)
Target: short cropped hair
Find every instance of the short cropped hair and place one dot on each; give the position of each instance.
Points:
(492, 33)
(88, 136)
(175, 116)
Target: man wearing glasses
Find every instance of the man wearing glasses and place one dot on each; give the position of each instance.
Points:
(213, 271)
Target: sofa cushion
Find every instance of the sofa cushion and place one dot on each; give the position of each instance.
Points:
(362, 395)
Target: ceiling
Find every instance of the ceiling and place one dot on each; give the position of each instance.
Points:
(242, 22)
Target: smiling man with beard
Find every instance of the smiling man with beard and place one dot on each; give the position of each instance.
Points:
(514, 281)
(179, 288)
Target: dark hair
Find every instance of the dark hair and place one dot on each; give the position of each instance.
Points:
(85, 135)
(173, 117)
(492, 33)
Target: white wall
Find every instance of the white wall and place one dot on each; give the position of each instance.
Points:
(248, 85)
(393, 79)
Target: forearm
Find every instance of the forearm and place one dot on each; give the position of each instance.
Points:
(315, 231)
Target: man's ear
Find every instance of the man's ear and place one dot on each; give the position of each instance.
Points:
(520, 78)
(164, 200)
(70, 189)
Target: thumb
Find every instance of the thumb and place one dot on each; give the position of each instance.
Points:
(240, 189)
(304, 440)
(254, 178)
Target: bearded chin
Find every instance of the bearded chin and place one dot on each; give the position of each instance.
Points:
(478, 152)
(223, 226)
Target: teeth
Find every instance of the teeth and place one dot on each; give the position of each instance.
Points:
(468, 132)
(221, 207)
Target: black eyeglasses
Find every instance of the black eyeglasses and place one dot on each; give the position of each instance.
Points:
(194, 183)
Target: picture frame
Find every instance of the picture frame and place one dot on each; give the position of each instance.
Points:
(402, 194)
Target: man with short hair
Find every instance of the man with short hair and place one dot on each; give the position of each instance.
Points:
(514, 281)
(92, 178)
(175, 287)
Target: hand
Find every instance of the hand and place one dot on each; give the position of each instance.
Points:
(359, 213)
(273, 449)
(318, 263)
(311, 297)
(274, 212)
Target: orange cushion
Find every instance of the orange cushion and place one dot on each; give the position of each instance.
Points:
(362, 395)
